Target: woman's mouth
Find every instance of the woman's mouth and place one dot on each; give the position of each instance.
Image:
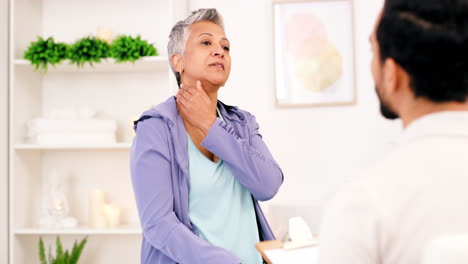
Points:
(217, 65)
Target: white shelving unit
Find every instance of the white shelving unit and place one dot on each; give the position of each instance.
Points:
(151, 64)
(117, 91)
(78, 231)
(117, 146)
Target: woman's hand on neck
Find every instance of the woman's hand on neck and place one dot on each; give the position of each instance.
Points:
(210, 89)
(197, 106)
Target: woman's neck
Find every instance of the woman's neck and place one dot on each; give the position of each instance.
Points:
(210, 90)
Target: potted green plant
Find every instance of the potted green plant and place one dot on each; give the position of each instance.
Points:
(127, 48)
(61, 257)
(45, 51)
(88, 49)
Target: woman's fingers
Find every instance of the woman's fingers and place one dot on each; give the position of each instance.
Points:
(189, 90)
(183, 94)
(190, 94)
(195, 106)
(182, 100)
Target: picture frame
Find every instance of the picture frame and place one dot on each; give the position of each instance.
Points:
(314, 53)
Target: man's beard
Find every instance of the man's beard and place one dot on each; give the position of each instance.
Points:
(385, 110)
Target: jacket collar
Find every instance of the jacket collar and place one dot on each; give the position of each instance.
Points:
(168, 111)
(446, 123)
(231, 112)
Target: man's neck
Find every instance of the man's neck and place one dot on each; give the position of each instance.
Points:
(422, 107)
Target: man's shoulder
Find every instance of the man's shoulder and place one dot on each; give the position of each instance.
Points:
(372, 186)
(379, 185)
(359, 191)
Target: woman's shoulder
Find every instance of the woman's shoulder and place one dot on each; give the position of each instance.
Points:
(150, 134)
(163, 113)
(151, 131)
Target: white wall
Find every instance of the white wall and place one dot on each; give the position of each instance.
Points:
(3, 130)
(318, 148)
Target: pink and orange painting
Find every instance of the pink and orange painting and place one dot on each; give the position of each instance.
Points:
(314, 53)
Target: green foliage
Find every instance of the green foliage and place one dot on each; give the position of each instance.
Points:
(62, 257)
(76, 251)
(127, 48)
(44, 52)
(42, 256)
(88, 49)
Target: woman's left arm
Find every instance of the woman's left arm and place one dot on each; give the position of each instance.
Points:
(250, 160)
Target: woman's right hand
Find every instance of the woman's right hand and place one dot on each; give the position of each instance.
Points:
(196, 107)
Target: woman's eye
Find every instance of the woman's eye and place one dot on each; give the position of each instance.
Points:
(226, 48)
(207, 43)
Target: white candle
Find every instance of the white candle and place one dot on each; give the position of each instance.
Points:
(112, 215)
(96, 217)
(100, 222)
(58, 205)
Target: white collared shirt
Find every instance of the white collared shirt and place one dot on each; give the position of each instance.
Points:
(417, 193)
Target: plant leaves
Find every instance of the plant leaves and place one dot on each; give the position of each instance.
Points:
(127, 48)
(88, 49)
(76, 251)
(42, 256)
(45, 51)
(59, 249)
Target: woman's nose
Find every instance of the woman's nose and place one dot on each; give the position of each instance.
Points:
(219, 52)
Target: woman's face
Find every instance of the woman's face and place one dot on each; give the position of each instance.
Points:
(206, 56)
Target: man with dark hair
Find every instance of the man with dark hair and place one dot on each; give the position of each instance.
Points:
(419, 191)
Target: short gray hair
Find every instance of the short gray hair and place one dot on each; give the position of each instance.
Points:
(180, 32)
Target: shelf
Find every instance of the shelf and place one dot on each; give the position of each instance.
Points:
(78, 231)
(117, 146)
(154, 63)
(117, 91)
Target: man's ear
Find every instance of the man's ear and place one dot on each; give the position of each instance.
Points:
(391, 76)
(395, 77)
(177, 62)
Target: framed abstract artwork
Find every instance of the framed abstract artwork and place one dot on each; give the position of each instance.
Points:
(314, 53)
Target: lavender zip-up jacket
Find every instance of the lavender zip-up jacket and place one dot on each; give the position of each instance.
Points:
(160, 178)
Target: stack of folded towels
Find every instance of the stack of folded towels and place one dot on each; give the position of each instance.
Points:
(71, 129)
(93, 131)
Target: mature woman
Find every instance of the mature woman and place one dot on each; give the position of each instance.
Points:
(199, 167)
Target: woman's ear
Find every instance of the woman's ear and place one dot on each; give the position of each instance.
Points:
(177, 62)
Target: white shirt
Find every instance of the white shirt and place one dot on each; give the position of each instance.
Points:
(418, 192)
